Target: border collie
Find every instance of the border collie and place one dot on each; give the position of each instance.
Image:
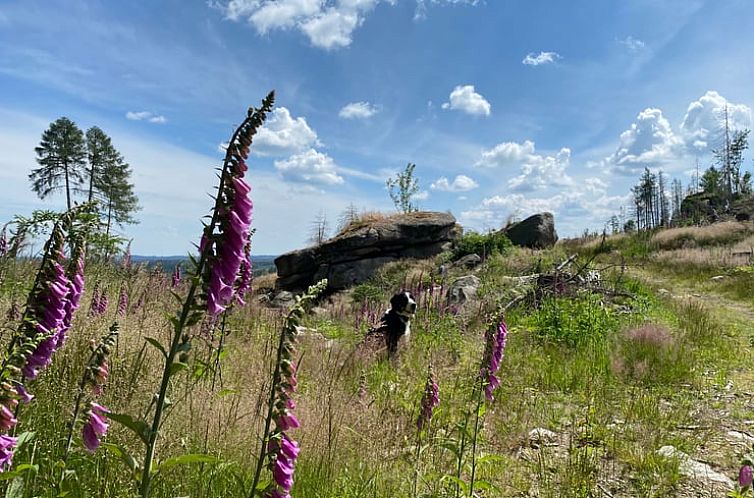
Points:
(396, 322)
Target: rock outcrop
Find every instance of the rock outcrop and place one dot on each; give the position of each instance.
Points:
(536, 231)
(355, 255)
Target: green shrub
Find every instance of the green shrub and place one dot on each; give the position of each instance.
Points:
(574, 321)
(482, 244)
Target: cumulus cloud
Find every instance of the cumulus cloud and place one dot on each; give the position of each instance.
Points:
(282, 134)
(633, 44)
(466, 99)
(541, 58)
(421, 195)
(506, 154)
(329, 24)
(460, 183)
(702, 125)
(146, 116)
(358, 110)
(537, 171)
(310, 167)
(650, 141)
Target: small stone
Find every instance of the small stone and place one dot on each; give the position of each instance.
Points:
(283, 299)
(541, 436)
(717, 278)
(693, 469)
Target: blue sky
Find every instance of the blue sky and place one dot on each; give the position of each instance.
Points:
(506, 107)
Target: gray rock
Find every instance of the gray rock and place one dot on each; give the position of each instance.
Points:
(354, 256)
(693, 469)
(463, 289)
(542, 437)
(536, 231)
(469, 261)
(283, 300)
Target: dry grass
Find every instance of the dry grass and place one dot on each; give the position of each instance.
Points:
(716, 234)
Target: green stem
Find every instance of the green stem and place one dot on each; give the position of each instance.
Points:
(268, 418)
(146, 479)
(476, 432)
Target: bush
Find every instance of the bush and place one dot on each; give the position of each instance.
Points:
(650, 354)
(574, 321)
(482, 244)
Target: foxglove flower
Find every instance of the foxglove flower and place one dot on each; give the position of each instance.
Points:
(176, 278)
(95, 427)
(745, 476)
(23, 394)
(7, 419)
(7, 447)
(229, 262)
(103, 303)
(94, 305)
(122, 302)
(494, 350)
(52, 310)
(75, 291)
(430, 400)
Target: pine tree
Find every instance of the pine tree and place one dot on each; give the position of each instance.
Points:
(113, 187)
(101, 155)
(319, 229)
(61, 156)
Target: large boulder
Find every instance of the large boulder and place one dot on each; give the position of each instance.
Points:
(356, 254)
(536, 231)
(463, 290)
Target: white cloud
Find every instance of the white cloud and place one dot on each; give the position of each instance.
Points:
(542, 171)
(146, 116)
(702, 125)
(650, 141)
(460, 183)
(506, 154)
(537, 171)
(466, 99)
(327, 24)
(633, 44)
(421, 196)
(310, 167)
(533, 59)
(358, 110)
(282, 134)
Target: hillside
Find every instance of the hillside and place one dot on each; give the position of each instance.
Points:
(625, 372)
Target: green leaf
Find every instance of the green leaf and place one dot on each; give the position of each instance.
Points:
(15, 489)
(139, 427)
(125, 457)
(24, 438)
(185, 460)
(154, 342)
(176, 367)
(453, 480)
(226, 392)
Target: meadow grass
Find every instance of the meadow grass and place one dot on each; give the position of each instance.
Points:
(613, 383)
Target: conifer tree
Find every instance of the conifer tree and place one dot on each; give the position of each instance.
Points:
(61, 156)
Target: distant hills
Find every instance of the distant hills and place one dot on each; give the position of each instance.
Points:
(263, 263)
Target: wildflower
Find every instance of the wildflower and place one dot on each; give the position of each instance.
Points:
(229, 252)
(75, 291)
(745, 476)
(122, 302)
(7, 420)
(95, 426)
(23, 394)
(494, 350)
(176, 278)
(430, 400)
(126, 261)
(103, 303)
(51, 311)
(94, 306)
(7, 447)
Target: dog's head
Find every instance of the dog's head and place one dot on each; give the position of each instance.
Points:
(403, 303)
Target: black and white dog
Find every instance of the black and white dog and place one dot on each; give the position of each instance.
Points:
(396, 322)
